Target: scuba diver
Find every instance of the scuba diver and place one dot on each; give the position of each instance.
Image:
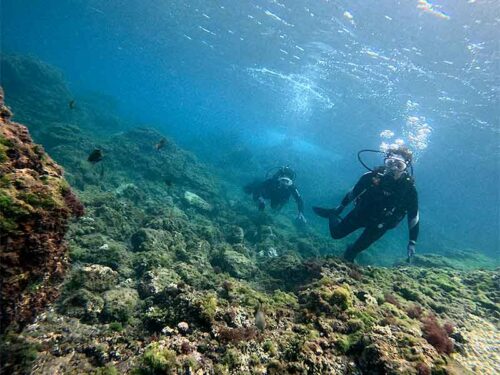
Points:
(278, 188)
(382, 197)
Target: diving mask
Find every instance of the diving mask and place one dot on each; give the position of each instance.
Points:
(285, 182)
(395, 163)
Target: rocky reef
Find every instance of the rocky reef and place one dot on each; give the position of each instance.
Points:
(36, 204)
(175, 272)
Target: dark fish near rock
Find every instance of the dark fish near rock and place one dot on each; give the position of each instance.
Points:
(169, 183)
(161, 144)
(260, 318)
(95, 156)
(72, 104)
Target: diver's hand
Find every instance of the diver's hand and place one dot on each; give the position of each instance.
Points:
(411, 250)
(261, 204)
(301, 218)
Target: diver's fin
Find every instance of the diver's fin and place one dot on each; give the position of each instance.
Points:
(324, 212)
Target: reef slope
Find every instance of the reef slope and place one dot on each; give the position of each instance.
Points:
(170, 262)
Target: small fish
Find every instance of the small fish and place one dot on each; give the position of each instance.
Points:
(260, 318)
(169, 183)
(95, 156)
(161, 144)
(72, 104)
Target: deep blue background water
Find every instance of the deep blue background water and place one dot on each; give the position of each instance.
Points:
(303, 82)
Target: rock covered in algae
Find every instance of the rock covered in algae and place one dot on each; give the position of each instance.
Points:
(119, 304)
(196, 201)
(153, 282)
(36, 204)
(94, 277)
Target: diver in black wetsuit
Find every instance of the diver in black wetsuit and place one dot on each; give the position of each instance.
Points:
(382, 198)
(278, 190)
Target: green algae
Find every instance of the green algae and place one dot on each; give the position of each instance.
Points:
(10, 213)
(209, 306)
(16, 349)
(116, 326)
(231, 358)
(157, 360)
(342, 297)
(107, 370)
(38, 200)
(270, 348)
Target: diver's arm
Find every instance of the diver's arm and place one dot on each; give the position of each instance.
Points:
(363, 183)
(298, 200)
(261, 189)
(258, 194)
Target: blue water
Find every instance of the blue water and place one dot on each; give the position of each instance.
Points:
(308, 83)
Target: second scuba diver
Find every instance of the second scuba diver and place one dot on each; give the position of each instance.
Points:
(277, 189)
(382, 198)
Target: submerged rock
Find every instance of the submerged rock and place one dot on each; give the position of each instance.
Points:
(84, 305)
(153, 282)
(119, 304)
(95, 277)
(196, 201)
(35, 206)
(235, 235)
(237, 264)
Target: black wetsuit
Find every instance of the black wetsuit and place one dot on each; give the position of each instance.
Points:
(278, 195)
(381, 202)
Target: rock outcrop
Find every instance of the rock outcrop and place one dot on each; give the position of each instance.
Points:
(36, 204)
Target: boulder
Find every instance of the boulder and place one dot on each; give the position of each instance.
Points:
(235, 235)
(94, 278)
(196, 201)
(238, 265)
(84, 305)
(153, 282)
(120, 304)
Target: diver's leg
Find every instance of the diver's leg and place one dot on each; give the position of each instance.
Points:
(324, 212)
(339, 228)
(369, 236)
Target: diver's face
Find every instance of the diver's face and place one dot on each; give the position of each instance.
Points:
(395, 166)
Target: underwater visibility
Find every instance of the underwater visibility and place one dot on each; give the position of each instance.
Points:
(249, 187)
